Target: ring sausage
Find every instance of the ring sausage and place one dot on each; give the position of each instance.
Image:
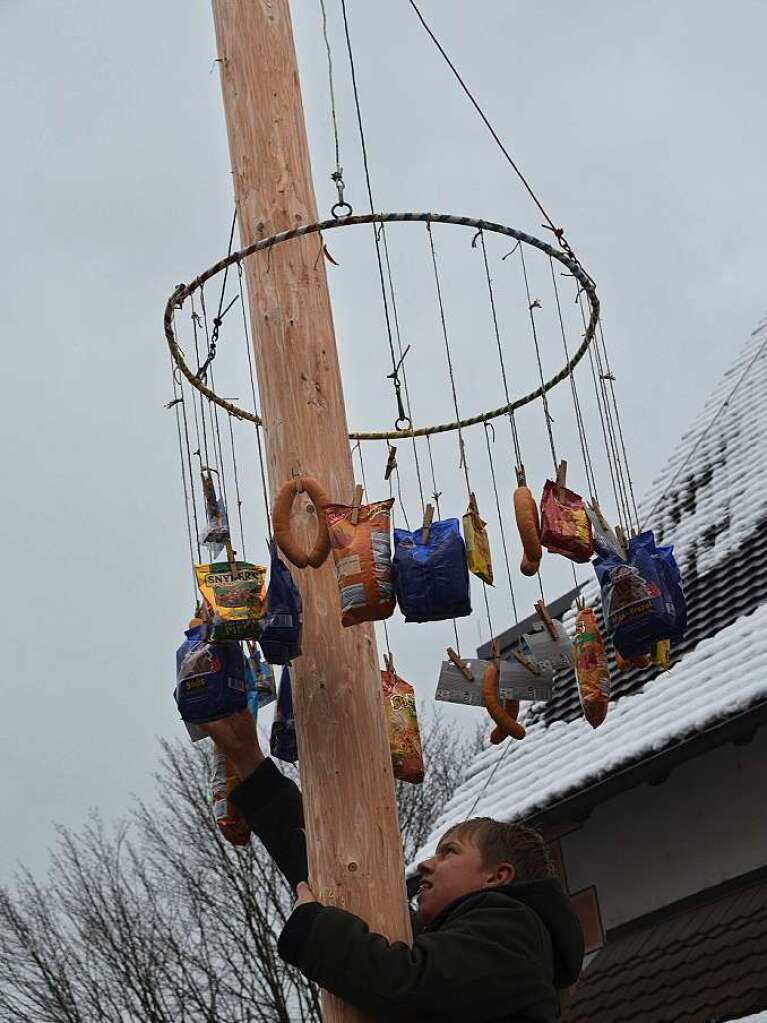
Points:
(505, 717)
(283, 534)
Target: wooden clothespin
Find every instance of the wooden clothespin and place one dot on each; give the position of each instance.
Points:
(391, 463)
(621, 538)
(389, 662)
(297, 474)
(543, 613)
(474, 507)
(521, 478)
(356, 502)
(230, 557)
(580, 603)
(562, 474)
(428, 517)
(460, 664)
(526, 662)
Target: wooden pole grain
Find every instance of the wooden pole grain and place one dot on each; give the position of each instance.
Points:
(355, 858)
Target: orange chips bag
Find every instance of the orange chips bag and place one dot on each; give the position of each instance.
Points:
(234, 827)
(591, 668)
(565, 526)
(402, 725)
(362, 556)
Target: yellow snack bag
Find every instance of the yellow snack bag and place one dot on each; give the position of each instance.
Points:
(477, 543)
(235, 599)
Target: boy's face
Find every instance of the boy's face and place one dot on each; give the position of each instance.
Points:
(455, 870)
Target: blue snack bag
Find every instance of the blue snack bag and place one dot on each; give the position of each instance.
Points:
(670, 571)
(282, 620)
(282, 741)
(259, 682)
(431, 580)
(210, 678)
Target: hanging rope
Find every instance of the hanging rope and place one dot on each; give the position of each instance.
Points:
(531, 306)
(218, 454)
(611, 434)
(183, 440)
(237, 491)
(558, 232)
(249, 352)
(610, 380)
(402, 416)
(588, 468)
(499, 513)
(436, 494)
(512, 420)
(462, 449)
(483, 790)
(202, 448)
(358, 449)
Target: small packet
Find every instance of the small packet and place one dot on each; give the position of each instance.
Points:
(216, 532)
(565, 525)
(431, 579)
(235, 600)
(362, 556)
(477, 543)
(402, 726)
(282, 620)
(231, 823)
(591, 668)
(282, 742)
(259, 681)
(210, 679)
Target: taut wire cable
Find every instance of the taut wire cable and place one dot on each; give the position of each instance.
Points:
(531, 312)
(488, 427)
(237, 490)
(610, 379)
(588, 468)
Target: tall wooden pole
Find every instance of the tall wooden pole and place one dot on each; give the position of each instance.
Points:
(355, 858)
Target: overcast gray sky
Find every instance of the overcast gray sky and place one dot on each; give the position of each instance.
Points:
(641, 125)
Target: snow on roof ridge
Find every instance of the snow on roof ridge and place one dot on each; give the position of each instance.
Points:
(706, 686)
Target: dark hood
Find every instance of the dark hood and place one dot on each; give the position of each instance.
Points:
(548, 900)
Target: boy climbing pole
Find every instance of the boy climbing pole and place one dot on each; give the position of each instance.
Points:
(495, 937)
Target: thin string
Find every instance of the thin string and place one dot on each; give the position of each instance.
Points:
(492, 775)
(178, 400)
(358, 449)
(436, 495)
(249, 351)
(178, 379)
(499, 512)
(610, 379)
(619, 475)
(202, 449)
(587, 464)
(403, 370)
(369, 188)
(237, 490)
(512, 419)
(545, 400)
(331, 86)
(618, 504)
(463, 463)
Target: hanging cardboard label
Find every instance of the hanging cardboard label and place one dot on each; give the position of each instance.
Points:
(516, 682)
(554, 654)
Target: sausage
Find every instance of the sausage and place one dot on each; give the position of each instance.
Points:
(283, 534)
(529, 528)
(505, 717)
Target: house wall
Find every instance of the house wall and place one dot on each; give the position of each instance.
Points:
(656, 844)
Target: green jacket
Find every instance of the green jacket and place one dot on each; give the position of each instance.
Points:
(493, 956)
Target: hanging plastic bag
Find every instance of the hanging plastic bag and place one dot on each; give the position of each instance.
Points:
(210, 679)
(642, 597)
(216, 531)
(402, 726)
(477, 543)
(235, 600)
(591, 668)
(231, 823)
(283, 738)
(565, 526)
(282, 620)
(259, 682)
(362, 556)
(431, 580)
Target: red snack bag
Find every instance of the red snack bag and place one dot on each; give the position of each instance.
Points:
(362, 556)
(233, 826)
(402, 725)
(565, 526)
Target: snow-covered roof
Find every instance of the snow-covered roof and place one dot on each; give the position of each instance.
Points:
(717, 501)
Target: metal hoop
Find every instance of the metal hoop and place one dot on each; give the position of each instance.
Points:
(184, 291)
